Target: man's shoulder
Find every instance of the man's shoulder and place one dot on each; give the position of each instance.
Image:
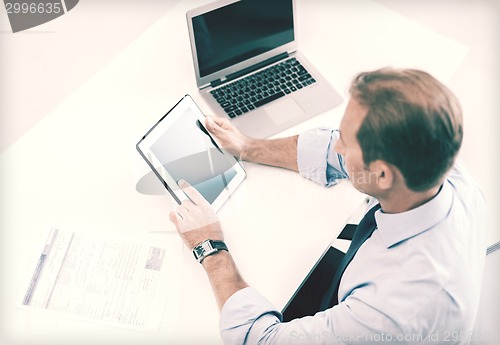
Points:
(464, 185)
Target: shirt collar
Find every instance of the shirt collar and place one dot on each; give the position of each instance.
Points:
(394, 228)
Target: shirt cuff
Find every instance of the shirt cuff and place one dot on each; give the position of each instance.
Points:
(240, 312)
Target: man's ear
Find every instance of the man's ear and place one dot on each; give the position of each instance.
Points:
(383, 174)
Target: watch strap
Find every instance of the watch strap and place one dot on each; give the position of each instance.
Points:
(219, 245)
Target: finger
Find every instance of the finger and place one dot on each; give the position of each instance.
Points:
(188, 205)
(192, 193)
(182, 211)
(218, 123)
(174, 218)
(212, 126)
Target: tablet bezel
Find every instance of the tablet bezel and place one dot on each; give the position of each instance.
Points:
(144, 148)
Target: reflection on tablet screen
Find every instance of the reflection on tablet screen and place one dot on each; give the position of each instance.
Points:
(194, 157)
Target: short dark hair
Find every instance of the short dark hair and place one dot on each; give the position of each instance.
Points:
(414, 122)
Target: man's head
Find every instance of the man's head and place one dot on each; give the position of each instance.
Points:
(402, 123)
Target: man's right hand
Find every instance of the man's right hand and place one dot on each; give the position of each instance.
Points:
(280, 152)
(229, 138)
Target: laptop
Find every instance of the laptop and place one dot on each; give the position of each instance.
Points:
(248, 67)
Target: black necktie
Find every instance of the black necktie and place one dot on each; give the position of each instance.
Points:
(363, 232)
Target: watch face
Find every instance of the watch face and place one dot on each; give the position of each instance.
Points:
(203, 249)
(198, 251)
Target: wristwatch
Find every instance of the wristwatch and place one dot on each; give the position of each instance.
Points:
(208, 247)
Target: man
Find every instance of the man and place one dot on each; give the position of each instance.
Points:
(416, 278)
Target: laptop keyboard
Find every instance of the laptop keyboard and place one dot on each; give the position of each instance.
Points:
(243, 95)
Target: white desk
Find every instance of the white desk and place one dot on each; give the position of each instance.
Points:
(78, 168)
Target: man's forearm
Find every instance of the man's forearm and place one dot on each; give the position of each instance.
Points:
(276, 152)
(224, 276)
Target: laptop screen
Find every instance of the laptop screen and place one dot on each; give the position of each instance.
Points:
(240, 31)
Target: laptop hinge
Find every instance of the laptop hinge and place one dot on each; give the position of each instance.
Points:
(216, 82)
(250, 69)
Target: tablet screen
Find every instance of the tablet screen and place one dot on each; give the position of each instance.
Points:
(178, 147)
(187, 152)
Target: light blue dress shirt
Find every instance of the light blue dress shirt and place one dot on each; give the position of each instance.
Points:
(415, 280)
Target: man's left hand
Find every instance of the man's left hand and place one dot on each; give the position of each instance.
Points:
(195, 219)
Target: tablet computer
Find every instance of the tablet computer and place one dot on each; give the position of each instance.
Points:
(179, 147)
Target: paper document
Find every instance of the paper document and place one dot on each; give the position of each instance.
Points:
(105, 280)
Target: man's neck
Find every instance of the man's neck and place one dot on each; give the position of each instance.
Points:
(406, 199)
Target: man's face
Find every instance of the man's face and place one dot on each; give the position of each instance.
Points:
(348, 146)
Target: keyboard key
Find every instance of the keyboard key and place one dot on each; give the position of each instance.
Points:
(287, 91)
(304, 77)
(231, 115)
(293, 88)
(225, 104)
(238, 112)
(302, 71)
(244, 109)
(269, 99)
(230, 109)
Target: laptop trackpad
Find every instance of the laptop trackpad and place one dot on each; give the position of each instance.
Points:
(283, 110)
